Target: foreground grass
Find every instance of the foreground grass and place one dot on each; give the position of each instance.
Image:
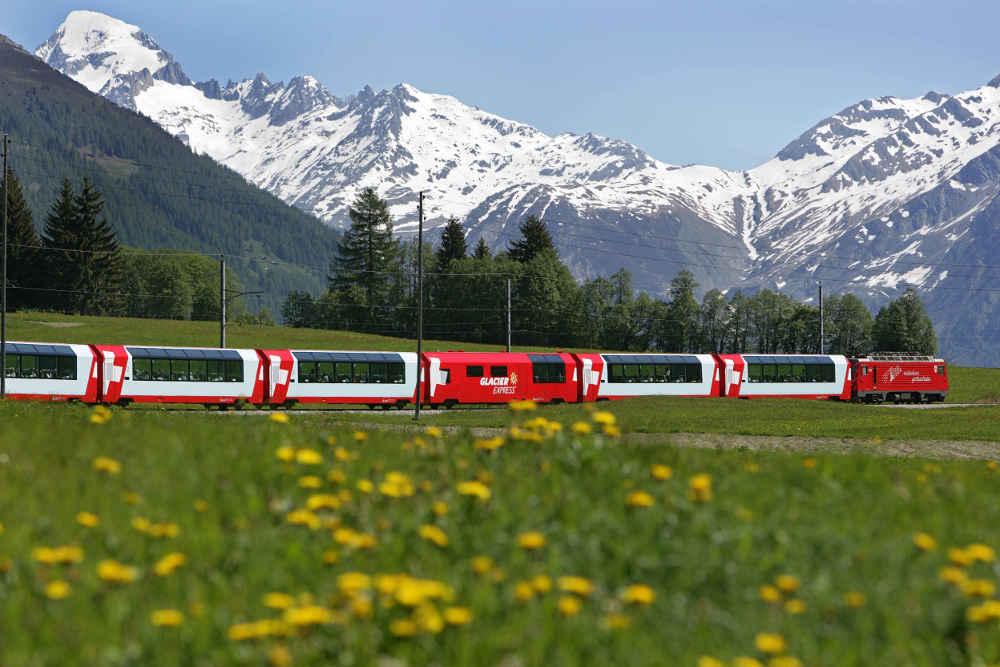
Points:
(842, 526)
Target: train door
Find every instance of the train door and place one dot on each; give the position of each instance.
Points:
(731, 378)
(110, 367)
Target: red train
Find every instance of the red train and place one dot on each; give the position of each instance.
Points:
(124, 374)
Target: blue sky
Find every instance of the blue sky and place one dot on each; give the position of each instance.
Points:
(722, 83)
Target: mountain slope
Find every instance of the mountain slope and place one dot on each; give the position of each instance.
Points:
(884, 194)
(158, 193)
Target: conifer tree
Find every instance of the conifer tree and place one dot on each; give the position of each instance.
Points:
(366, 255)
(683, 312)
(86, 259)
(903, 326)
(535, 239)
(22, 246)
(452, 244)
(482, 250)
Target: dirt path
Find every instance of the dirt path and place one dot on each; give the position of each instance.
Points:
(932, 449)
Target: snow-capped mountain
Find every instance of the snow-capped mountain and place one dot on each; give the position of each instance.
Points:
(886, 193)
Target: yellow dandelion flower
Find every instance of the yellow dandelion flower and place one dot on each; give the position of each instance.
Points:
(434, 534)
(569, 605)
(331, 440)
(604, 418)
(276, 600)
(166, 618)
(362, 607)
(661, 472)
(403, 627)
(429, 619)
(981, 553)
(169, 563)
(342, 454)
(308, 457)
(522, 406)
(322, 501)
(982, 588)
(57, 590)
(310, 482)
(285, 453)
(700, 488)
(639, 499)
(433, 432)
(578, 585)
(457, 615)
(330, 557)
(953, 575)
(131, 498)
(531, 540)
(795, 606)
(992, 465)
(279, 656)
(303, 517)
(747, 661)
(278, 417)
(307, 615)
(770, 643)
(709, 661)
(360, 436)
(541, 584)
(439, 507)
(107, 465)
(482, 564)
(365, 486)
(639, 594)
(924, 542)
(100, 415)
(115, 572)
(959, 557)
(787, 583)
(581, 428)
(989, 610)
(397, 485)
(855, 599)
(489, 444)
(200, 505)
(809, 463)
(611, 430)
(524, 591)
(770, 594)
(474, 488)
(351, 583)
(88, 519)
(63, 555)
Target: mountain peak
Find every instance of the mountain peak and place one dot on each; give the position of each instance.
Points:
(995, 82)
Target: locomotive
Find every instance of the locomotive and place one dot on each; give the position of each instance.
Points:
(125, 374)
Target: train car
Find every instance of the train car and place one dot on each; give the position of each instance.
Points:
(899, 377)
(615, 376)
(816, 376)
(499, 377)
(51, 372)
(209, 376)
(318, 376)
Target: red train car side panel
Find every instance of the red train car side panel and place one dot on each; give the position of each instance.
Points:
(501, 377)
(112, 361)
(276, 374)
(880, 379)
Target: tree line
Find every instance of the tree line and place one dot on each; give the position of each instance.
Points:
(372, 287)
(76, 265)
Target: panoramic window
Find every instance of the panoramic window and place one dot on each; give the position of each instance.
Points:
(40, 367)
(548, 373)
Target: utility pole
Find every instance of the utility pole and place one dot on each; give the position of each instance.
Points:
(821, 317)
(3, 287)
(420, 297)
(508, 314)
(222, 300)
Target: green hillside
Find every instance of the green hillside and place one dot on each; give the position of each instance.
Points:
(158, 193)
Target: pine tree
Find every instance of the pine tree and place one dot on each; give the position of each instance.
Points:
(535, 239)
(58, 237)
(22, 246)
(452, 244)
(681, 332)
(482, 250)
(366, 255)
(850, 325)
(84, 251)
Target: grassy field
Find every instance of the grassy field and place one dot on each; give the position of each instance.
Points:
(666, 564)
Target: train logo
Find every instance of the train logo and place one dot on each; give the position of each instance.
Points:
(894, 372)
